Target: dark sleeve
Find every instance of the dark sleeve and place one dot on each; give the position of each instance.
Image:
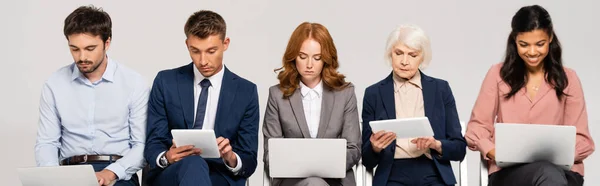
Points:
(158, 139)
(370, 159)
(246, 145)
(454, 146)
(351, 130)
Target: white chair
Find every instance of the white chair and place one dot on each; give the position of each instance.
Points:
(461, 177)
(463, 180)
(368, 178)
(483, 178)
(462, 168)
(358, 173)
(266, 178)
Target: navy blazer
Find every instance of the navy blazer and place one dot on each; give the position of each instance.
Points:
(171, 106)
(440, 109)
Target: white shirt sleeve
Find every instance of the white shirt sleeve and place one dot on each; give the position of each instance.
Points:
(237, 168)
(158, 160)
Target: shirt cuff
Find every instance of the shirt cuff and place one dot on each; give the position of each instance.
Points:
(118, 170)
(158, 160)
(237, 168)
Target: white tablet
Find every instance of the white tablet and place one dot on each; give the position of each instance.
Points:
(404, 128)
(202, 139)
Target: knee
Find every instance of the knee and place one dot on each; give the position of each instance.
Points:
(547, 168)
(548, 173)
(125, 183)
(192, 162)
(191, 170)
(316, 181)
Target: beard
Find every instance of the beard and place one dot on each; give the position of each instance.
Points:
(89, 69)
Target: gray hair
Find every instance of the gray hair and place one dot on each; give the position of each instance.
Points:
(413, 37)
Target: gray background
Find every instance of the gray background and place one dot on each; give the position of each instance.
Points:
(467, 38)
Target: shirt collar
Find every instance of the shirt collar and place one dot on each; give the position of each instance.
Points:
(305, 89)
(415, 81)
(109, 73)
(215, 80)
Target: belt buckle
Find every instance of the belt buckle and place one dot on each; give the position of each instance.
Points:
(85, 158)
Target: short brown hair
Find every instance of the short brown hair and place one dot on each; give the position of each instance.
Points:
(289, 78)
(89, 19)
(205, 23)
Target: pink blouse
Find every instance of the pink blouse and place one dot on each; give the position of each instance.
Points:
(545, 108)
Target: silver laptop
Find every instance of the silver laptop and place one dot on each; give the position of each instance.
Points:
(301, 158)
(526, 143)
(80, 175)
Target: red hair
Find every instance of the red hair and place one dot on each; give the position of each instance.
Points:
(288, 76)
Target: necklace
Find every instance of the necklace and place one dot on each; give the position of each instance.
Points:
(535, 88)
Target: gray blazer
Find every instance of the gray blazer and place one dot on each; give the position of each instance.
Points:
(284, 118)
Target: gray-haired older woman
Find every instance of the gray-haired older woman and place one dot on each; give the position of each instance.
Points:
(408, 93)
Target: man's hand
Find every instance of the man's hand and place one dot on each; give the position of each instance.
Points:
(174, 154)
(428, 142)
(226, 151)
(105, 177)
(492, 154)
(381, 140)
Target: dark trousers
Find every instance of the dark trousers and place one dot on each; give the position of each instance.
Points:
(419, 171)
(189, 171)
(134, 181)
(535, 174)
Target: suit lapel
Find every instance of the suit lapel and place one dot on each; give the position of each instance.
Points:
(386, 89)
(328, 100)
(296, 104)
(226, 97)
(429, 90)
(185, 86)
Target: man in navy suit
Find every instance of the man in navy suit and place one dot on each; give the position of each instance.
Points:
(202, 95)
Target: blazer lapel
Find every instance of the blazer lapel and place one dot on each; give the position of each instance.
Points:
(296, 104)
(185, 86)
(226, 97)
(429, 90)
(386, 89)
(328, 100)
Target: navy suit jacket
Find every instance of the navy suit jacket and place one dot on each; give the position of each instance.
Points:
(171, 106)
(440, 109)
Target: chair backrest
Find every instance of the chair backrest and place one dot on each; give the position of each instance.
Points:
(358, 173)
(266, 178)
(368, 176)
(462, 178)
(483, 178)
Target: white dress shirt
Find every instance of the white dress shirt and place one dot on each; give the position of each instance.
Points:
(214, 91)
(311, 102)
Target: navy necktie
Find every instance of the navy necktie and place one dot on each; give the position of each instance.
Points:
(201, 110)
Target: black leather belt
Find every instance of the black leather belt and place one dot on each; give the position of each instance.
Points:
(75, 160)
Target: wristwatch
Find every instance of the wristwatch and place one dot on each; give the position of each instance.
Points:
(163, 160)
